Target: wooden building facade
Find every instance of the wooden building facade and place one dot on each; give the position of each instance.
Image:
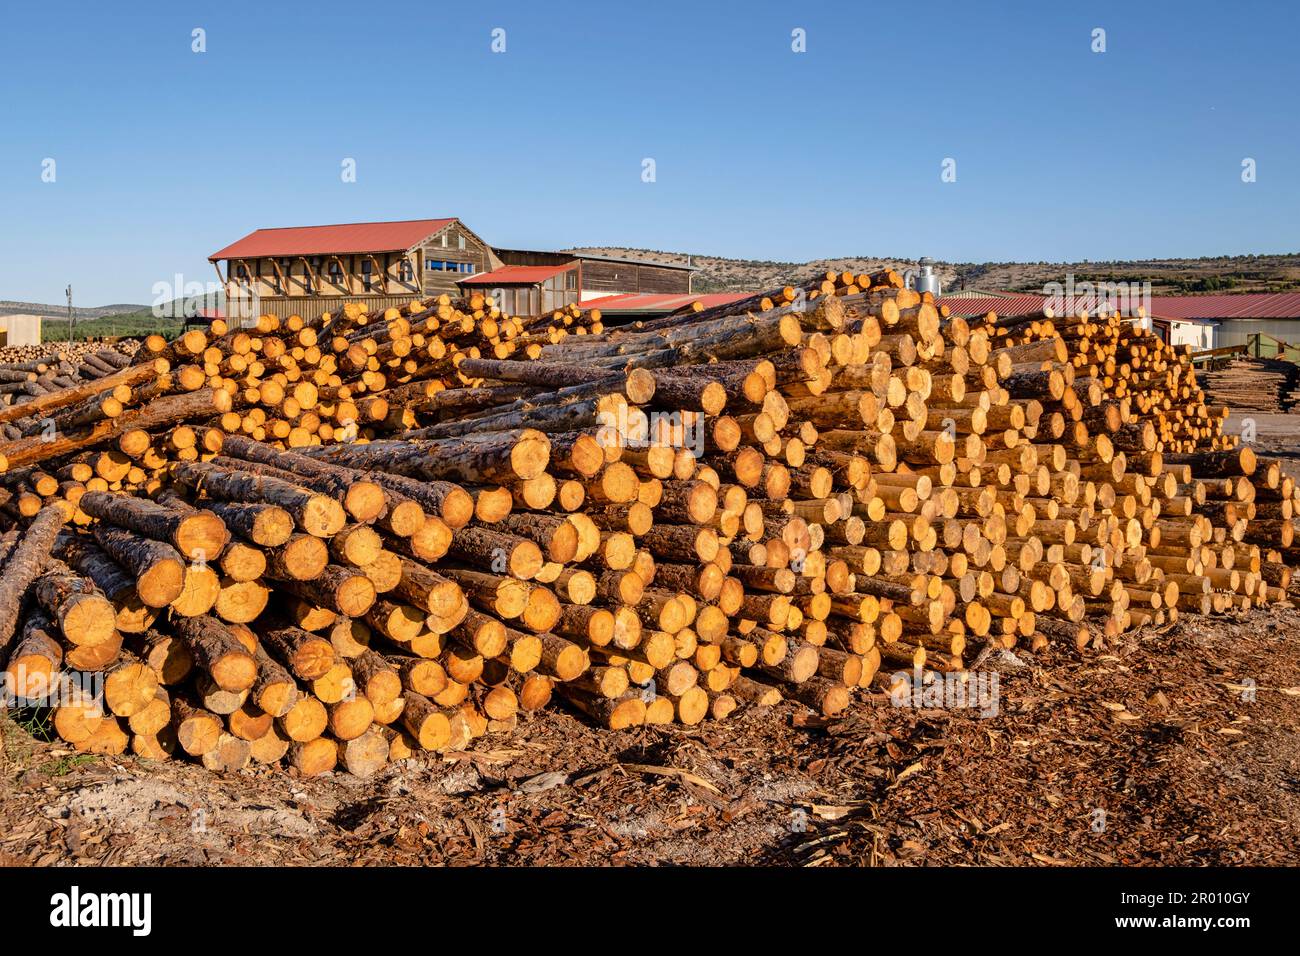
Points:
(531, 282)
(314, 269)
(609, 275)
(529, 290)
(308, 270)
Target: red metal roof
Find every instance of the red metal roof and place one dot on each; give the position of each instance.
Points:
(516, 275)
(1245, 305)
(661, 302)
(332, 240)
(966, 305)
(972, 305)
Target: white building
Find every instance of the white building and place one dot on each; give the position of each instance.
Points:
(20, 329)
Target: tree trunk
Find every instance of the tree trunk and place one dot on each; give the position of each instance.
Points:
(499, 457)
(198, 535)
(314, 513)
(218, 652)
(25, 562)
(83, 614)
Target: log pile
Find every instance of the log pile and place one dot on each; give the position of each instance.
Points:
(53, 354)
(1253, 384)
(31, 372)
(290, 384)
(403, 531)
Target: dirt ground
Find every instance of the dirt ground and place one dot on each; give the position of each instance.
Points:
(1275, 436)
(1180, 745)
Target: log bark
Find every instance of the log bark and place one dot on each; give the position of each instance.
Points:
(479, 459)
(218, 652)
(84, 615)
(25, 562)
(198, 535)
(158, 568)
(314, 513)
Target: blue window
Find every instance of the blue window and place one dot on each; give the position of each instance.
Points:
(446, 265)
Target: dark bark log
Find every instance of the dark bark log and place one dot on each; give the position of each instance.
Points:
(307, 655)
(26, 561)
(315, 513)
(158, 568)
(84, 615)
(218, 652)
(479, 459)
(363, 499)
(198, 535)
(340, 589)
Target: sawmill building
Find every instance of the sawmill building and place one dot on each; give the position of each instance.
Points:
(306, 270)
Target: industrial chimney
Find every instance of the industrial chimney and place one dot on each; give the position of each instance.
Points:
(922, 278)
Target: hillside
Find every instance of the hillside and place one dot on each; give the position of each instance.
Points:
(719, 274)
(1259, 273)
(105, 321)
(9, 306)
(137, 324)
(1255, 273)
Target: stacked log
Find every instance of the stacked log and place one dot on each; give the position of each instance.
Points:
(48, 357)
(29, 374)
(1252, 384)
(807, 494)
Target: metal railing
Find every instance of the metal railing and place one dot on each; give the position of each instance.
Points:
(1263, 345)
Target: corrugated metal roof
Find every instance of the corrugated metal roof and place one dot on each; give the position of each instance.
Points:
(332, 240)
(635, 262)
(1245, 305)
(516, 275)
(661, 302)
(968, 306)
(1253, 305)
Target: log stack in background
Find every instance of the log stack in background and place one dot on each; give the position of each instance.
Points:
(30, 372)
(1251, 384)
(334, 543)
(51, 354)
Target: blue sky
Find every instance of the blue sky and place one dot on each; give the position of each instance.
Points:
(164, 155)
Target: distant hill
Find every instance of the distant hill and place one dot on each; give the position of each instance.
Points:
(120, 319)
(8, 306)
(1255, 273)
(1258, 273)
(719, 274)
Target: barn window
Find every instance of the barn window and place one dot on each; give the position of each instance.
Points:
(405, 270)
(336, 273)
(460, 242)
(447, 265)
(443, 240)
(365, 275)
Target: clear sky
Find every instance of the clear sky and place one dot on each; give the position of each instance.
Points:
(163, 155)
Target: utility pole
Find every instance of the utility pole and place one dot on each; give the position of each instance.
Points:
(69, 315)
